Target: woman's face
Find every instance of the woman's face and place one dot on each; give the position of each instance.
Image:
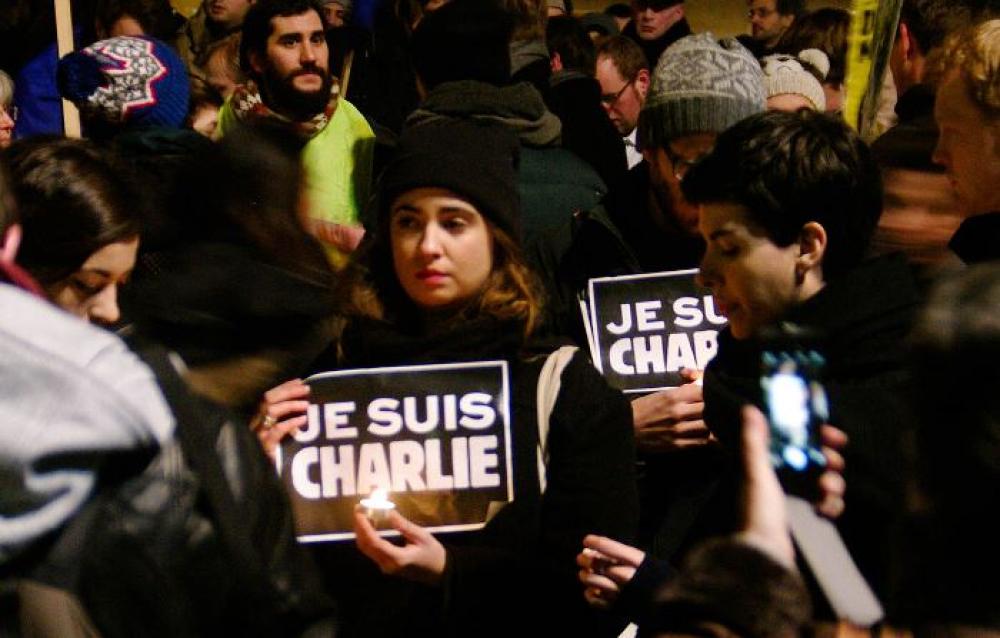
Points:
(91, 293)
(753, 280)
(442, 249)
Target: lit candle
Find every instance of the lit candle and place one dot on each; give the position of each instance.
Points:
(377, 506)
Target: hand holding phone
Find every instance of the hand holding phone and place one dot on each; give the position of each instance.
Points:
(797, 406)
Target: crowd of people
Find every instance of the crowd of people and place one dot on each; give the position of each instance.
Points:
(270, 189)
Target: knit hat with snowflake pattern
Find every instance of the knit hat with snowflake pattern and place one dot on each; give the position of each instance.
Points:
(700, 85)
(127, 80)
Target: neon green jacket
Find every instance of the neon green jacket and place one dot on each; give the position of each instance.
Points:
(337, 164)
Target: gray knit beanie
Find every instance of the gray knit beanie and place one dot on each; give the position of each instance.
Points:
(700, 85)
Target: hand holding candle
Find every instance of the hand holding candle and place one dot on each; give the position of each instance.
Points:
(377, 506)
(421, 558)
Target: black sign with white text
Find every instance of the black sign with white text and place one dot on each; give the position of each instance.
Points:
(647, 327)
(436, 437)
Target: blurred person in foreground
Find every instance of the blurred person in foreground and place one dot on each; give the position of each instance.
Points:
(945, 555)
(921, 210)
(117, 503)
(967, 111)
(72, 397)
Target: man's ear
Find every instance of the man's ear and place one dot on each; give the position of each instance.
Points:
(642, 82)
(903, 40)
(256, 64)
(911, 47)
(9, 243)
(812, 246)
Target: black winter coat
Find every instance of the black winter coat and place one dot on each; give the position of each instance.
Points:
(863, 319)
(517, 576)
(620, 238)
(653, 49)
(910, 143)
(977, 240)
(575, 98)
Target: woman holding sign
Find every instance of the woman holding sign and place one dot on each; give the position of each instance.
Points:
(442, 280)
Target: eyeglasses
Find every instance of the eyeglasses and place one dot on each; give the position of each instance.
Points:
(681, 165)
(610, 99)
(11, 111)
(760, 12)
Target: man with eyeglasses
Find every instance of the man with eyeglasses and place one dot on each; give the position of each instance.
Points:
(769, 19)
(623, 73)
(655, 25)
(699, 88)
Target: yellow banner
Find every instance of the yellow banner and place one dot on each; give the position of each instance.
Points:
(873, 29)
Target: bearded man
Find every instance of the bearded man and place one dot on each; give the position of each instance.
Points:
(285, 54)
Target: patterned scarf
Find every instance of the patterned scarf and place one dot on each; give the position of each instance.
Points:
(248, 106)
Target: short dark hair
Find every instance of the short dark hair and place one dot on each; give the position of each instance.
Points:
(788, 169)
(790, 7)
(72, 200)
(156, 17)
(930, 21)
(463, 40)
(566, 36)
(257, 25)
(619, 10)
(626, 55)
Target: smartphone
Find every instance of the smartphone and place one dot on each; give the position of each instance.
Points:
(796, 406)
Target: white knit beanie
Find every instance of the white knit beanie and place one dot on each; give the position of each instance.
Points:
(785, 74)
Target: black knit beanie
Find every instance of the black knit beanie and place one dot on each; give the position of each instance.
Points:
(463, 40)
(476, 160)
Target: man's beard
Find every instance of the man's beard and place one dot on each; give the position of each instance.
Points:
(280, 94)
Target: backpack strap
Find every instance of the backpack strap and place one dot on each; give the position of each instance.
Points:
(197, 439)
(549, 383)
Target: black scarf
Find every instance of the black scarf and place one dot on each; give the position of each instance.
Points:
(373, 343)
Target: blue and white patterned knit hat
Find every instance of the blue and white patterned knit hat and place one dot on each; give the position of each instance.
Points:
(127, 80)
(700, 85)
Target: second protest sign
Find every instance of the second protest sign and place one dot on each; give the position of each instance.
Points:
(647, 327)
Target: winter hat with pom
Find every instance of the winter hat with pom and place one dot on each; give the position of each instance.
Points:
(799, 75)
(127, 81)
